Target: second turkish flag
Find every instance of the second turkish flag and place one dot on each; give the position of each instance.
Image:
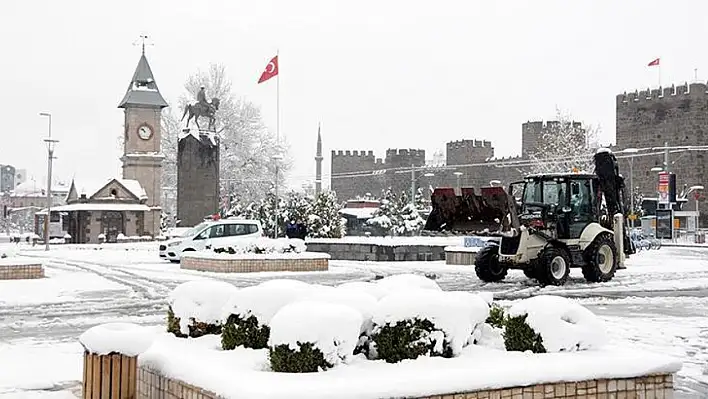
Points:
(270, 70)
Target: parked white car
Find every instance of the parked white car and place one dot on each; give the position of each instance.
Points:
(212, 233)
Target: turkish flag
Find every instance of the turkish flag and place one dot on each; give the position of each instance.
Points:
(270, 70)
(654, 63)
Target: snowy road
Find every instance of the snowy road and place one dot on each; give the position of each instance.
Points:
(659, 303)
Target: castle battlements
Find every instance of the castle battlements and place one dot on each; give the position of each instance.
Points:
(694, 90)
(354, 153)
(391, 152)
(469, 143)
(543, 125)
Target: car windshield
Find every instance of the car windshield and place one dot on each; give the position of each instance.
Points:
(196, 229)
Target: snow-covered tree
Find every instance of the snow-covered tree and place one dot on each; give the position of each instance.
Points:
(298, 207)
(385, 218)
(324, 220)
(409, 222)
(247, 146)
(564, 146)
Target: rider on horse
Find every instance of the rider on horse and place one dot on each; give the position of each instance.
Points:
(201, 99)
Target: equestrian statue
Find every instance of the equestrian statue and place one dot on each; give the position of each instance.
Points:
(202, 108)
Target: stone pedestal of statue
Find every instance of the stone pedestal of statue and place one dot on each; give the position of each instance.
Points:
(197, 177)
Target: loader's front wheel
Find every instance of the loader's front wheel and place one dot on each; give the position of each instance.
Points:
(600, 259)
(530, 272)
(552, 266)
(487, 265)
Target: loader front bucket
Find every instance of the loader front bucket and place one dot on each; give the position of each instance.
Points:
(492, 211)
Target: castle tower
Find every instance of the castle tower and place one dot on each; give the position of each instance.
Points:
(318, 163)
(142, 158)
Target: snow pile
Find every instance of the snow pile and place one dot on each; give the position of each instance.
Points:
(199, 300)
(563, 325)
(263, 246)
(332, 328)
(406, 282)
(489, 336)
(455, 313)
(124, 338)
(264, 300)
(363, 286)
(362, 301)
(7, 251)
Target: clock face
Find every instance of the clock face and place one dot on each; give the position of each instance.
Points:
(145, 132)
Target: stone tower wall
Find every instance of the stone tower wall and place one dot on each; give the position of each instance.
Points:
(464, 152)
(677, 115)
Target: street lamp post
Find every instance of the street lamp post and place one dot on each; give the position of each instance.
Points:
(631, 177)
(276, 159)
(458, 175)
(690, 190)
(50, 156)
(413, 180)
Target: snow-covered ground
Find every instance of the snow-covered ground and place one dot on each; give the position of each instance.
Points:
(660, 303)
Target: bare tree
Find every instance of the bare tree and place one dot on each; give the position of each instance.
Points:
(247, 169)
(564, 146)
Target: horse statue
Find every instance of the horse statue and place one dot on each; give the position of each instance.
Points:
(199, 109)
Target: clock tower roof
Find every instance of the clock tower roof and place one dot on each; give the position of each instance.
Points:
(143, 91)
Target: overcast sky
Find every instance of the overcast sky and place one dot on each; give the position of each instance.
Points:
(376, 74)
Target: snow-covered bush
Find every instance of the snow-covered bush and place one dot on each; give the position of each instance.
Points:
(309, 336)
(364, 286)
(248, 312)
(362, 301)
(264, 246)
(548, 323)
(496, 316)
(405, 282)
(417, 322)
(195, 307)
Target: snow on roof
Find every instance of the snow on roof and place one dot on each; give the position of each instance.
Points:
(101, 207)
(134, 187)
(33, 187)
(89, 187)
(359, 213)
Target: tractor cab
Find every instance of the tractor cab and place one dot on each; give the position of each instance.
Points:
(559, 205)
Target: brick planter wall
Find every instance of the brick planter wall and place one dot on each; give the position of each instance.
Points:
(152, 385)
(21, 271)
(460, 258)
(226, 265)
(378, 253)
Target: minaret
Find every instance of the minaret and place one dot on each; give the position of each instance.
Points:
(318, 163)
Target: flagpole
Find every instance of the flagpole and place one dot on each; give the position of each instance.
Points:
(277, 100)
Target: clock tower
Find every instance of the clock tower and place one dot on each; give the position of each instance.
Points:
(142, 156)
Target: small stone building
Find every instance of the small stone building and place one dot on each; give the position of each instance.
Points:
(116, 207)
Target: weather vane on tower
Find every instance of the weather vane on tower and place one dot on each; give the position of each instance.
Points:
(141, 41)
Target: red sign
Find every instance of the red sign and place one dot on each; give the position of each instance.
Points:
(664, 187)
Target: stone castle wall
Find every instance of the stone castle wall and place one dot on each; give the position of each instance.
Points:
(354, 174)
(677, 115)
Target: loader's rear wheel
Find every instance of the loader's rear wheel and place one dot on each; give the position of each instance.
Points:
(600, 259)
(553, 266)
(487, 265)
